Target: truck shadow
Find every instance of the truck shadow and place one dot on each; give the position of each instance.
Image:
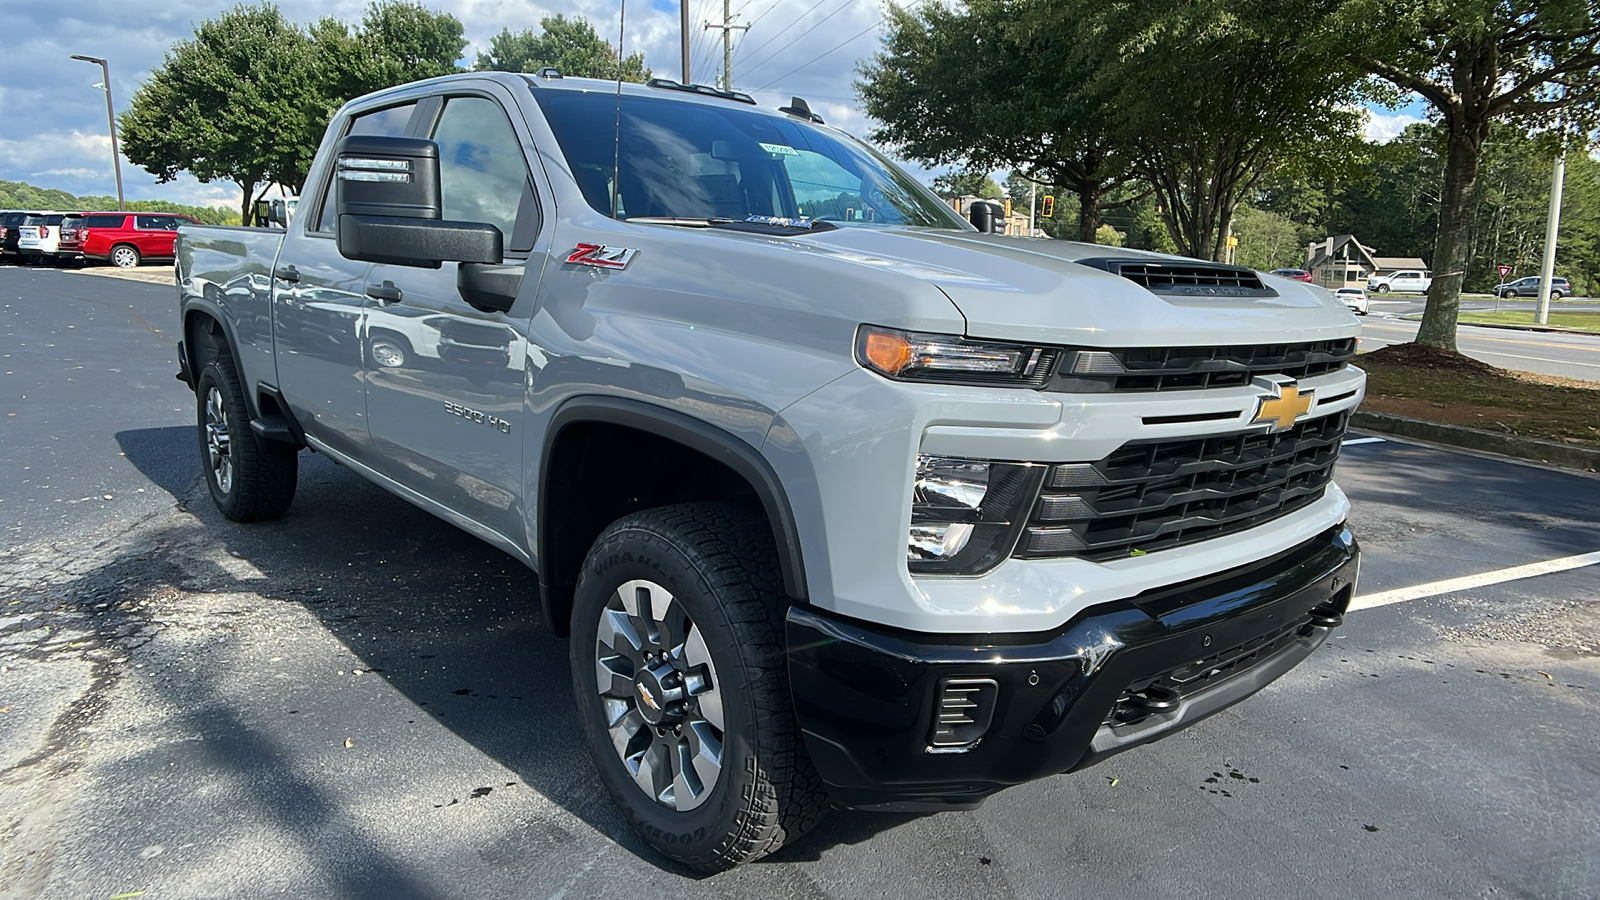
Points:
(447, 620)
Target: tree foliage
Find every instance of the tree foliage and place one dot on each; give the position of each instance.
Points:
(247, 100)
(997, 84)
(966, 184)
(1530, 62)
(22, 195)
(569, 44)
(219, 106)
(1198, 99)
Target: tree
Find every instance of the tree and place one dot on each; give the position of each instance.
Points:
(1217, 95)
(570, 45)
(397, 42)
(966, 184)
(998, 84)
(220, 106)
(1533, 62)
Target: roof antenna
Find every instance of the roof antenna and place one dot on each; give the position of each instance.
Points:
(616, 146)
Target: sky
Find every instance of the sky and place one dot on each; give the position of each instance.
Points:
(53, 130)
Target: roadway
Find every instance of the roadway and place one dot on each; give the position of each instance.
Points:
(1547, 353)
(360, 701)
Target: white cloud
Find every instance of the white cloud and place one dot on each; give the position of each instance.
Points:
(1385, 127)
(54, 125)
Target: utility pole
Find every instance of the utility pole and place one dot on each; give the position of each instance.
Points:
(1033, 196)
(728, 28)
(111, 120)
(683, 32)
(1548, 270)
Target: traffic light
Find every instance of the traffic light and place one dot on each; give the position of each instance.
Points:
(1049, 206)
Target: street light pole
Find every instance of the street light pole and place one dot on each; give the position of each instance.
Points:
(1547, 271)
(111, 121)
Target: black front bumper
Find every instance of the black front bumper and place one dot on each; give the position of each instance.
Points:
(1119, 675)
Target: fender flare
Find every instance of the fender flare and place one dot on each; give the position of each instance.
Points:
(716, 443)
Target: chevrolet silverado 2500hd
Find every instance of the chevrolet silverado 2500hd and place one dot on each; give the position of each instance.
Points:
(840, 500)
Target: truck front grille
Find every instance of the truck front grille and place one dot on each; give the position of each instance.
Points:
(1195, 368)
(1152, 495)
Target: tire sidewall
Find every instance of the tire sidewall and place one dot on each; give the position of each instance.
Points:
(636, 552)
(115, 257)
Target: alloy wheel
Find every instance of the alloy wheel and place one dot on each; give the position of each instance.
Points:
(219, 443)
(659, 692)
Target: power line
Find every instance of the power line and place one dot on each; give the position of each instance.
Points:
(819, 57)
(768, 58)
(780, 31)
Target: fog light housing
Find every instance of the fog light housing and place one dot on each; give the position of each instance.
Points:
(966, 514)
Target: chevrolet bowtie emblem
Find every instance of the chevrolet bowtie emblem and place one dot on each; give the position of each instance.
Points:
(1286, 404)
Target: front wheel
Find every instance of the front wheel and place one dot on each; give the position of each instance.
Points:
(250, 478)
(1509, 295)
(124, 256)
(682, 685)
(1383, 289)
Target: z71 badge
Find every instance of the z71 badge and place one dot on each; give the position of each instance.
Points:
(601, 256)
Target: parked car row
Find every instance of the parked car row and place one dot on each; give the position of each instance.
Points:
(124, 239)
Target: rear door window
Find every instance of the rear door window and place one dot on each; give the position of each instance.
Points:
(148, 223)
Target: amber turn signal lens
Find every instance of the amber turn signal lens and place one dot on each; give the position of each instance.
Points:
(888, 353)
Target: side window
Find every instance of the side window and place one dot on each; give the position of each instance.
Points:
(148, 223)
(103, 221)
(390, 122)
(482, 173)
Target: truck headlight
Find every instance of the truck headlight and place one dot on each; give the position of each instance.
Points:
(951, 359)
(966, 513)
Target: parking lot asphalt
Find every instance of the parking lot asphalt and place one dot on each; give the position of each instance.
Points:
(359, 701)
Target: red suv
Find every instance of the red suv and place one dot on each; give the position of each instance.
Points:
(126, 239)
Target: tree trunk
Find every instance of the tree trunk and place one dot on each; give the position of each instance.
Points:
(1089, 198)
(248, 208)
(1464, 154)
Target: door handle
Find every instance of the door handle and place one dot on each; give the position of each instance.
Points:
(385, 293)
(287, 273)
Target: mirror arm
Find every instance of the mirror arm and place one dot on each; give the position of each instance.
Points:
(487, 287)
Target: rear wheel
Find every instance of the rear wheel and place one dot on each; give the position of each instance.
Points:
(682, 685)
(124, 257)
(390, 351)
(1555, 295)
(250, 478)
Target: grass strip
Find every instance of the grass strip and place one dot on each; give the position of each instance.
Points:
(1441, 386)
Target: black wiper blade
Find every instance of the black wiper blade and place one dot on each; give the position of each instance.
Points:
(675, 220)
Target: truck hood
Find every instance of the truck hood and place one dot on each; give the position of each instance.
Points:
(1038, 290)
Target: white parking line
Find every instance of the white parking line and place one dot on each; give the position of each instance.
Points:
(1363, 441)
(1483, 579)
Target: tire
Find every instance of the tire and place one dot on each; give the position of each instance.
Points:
(1555, 295)
(389, 351)
(714, 662)
(124, 256)
(1509, 295)
(251, 479)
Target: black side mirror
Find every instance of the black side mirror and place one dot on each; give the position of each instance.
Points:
(389, 207)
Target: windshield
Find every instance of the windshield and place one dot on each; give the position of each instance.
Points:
(689, 160)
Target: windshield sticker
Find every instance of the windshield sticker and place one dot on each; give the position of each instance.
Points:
(780, 149)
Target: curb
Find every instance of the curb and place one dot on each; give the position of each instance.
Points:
(1569, 456)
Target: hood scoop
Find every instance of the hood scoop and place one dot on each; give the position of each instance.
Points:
(1184, 279)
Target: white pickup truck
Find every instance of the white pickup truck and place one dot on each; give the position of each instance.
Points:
(1407, 281)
